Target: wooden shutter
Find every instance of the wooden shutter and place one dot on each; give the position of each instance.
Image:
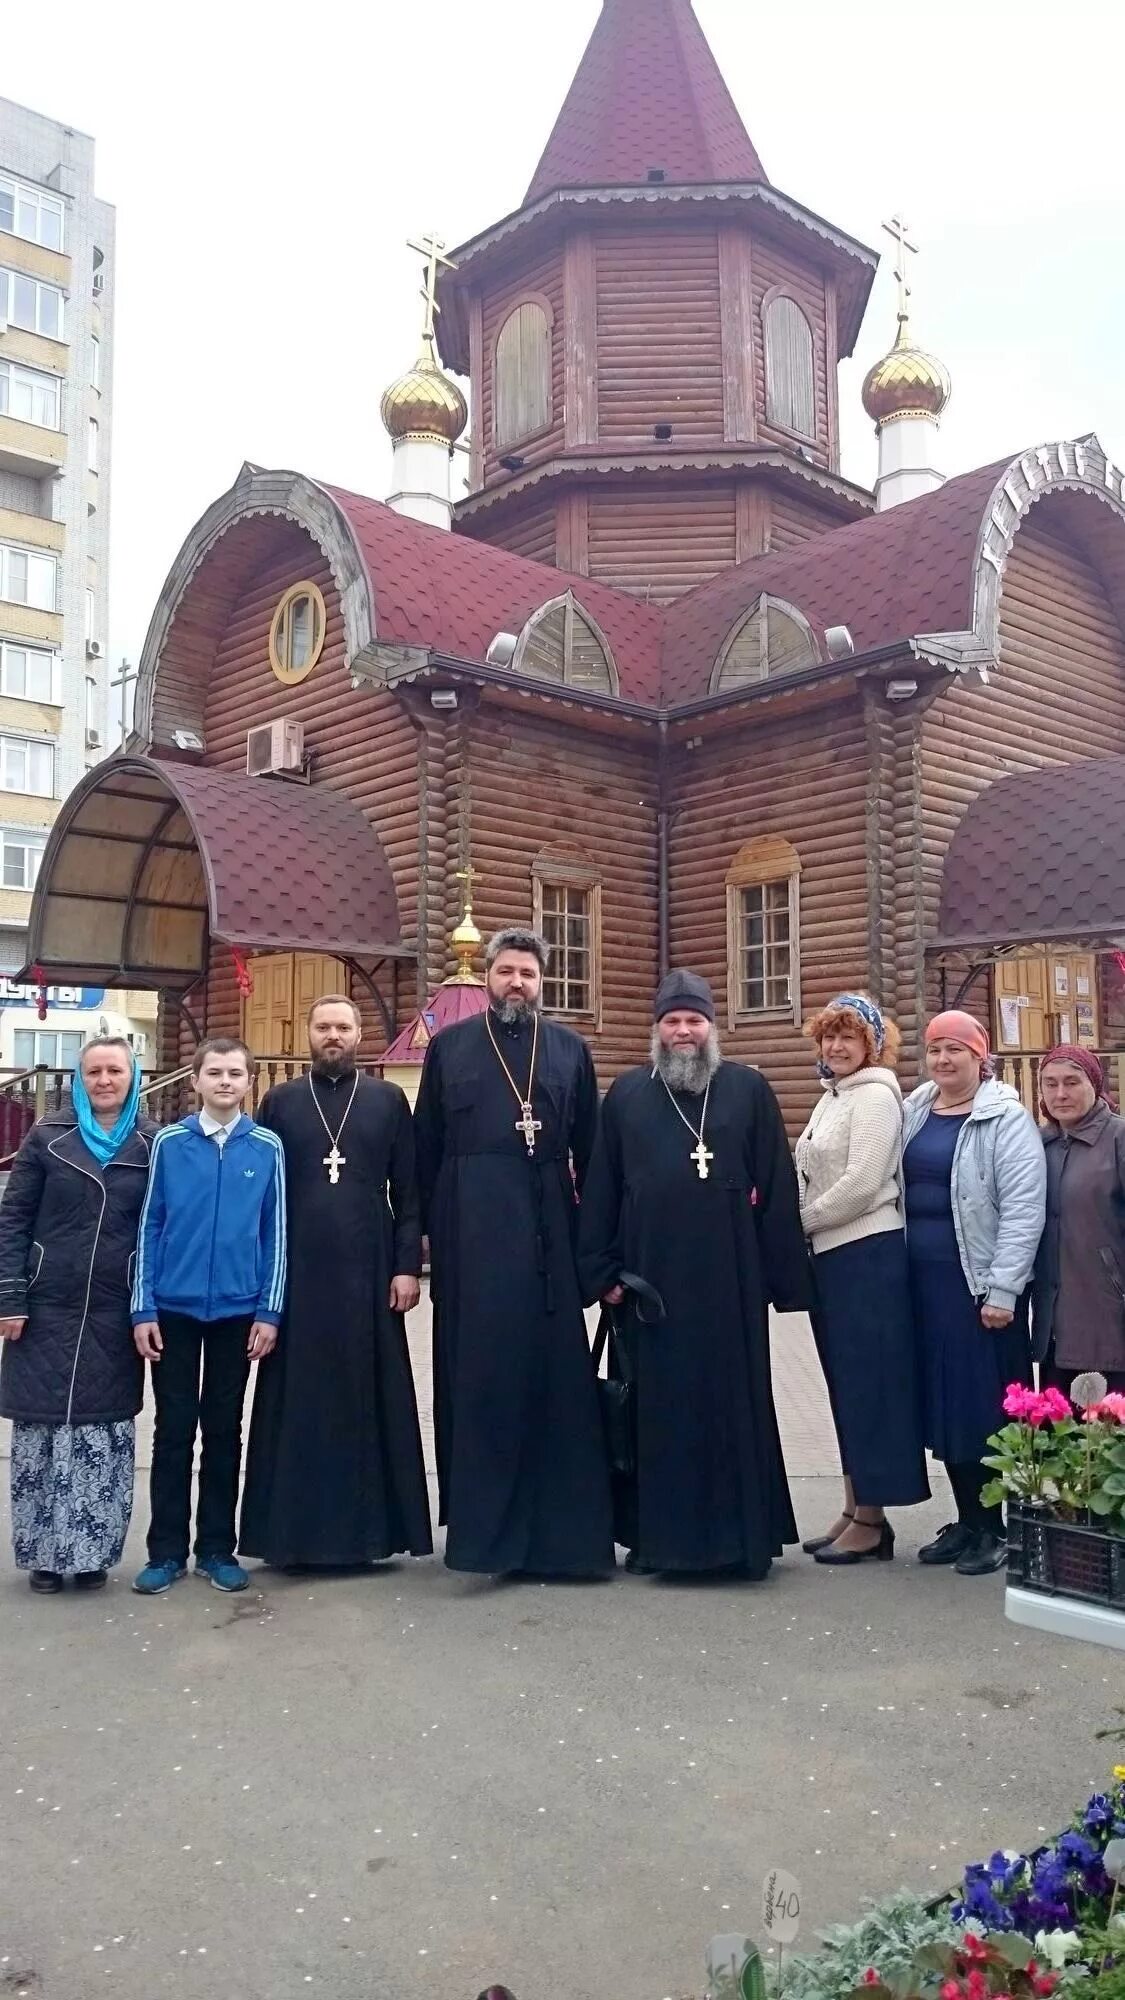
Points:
(790, 392)
(523, 375)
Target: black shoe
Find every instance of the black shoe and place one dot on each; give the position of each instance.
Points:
(987, 1552)
(881, 1551)
(89, 1579)
(45, 1581)
(950, 1543)
(823, 1541)
(637, 1567)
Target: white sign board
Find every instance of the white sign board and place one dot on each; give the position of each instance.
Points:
(781, 1906)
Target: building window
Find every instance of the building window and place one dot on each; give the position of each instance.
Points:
(27, 578)
(521, 402)
(566, 905)
(561, 643)
(29, 395)
(41, 1045)
(763, 930)
(27, 765)
(771, 638)
(22, 852)
(31, 212)
(25, 302)
(790, 380)
(92, 445)
(95, 362)
(29, 673)
(91, 612)
(297, 633)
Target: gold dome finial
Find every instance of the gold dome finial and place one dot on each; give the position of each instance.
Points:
(466, 939)
(907, 382)
(424, 402)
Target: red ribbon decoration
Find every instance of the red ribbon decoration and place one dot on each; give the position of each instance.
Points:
(243, 974)
(39, 978)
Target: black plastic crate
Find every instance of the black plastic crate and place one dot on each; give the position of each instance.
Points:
(1065, 1558)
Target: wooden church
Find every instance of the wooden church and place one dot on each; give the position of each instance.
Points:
(683, 692)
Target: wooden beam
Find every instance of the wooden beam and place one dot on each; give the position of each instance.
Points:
(572, 533)
(751, 520)
(831, 371)
(476, 385)
(580, 341)
(736, 314)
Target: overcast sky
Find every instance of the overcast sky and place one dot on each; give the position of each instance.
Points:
(268, 161)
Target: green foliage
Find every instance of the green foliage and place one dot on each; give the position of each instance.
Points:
(889, 1936)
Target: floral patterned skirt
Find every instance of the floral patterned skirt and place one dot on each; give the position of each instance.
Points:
(72, 1494)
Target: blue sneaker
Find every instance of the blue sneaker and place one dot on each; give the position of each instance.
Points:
(157, 1577)
(222, 1572)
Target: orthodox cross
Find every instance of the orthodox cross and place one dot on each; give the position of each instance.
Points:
(467, 875)
(334, 1161)
(529, 1125)
(125, 681)
(432, 248)
(701, 1156)
(896, 229)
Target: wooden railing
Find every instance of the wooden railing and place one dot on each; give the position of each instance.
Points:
(1022, 1072)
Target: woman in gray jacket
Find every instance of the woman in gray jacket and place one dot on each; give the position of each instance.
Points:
(975, 1183)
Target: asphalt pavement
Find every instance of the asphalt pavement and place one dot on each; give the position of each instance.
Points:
(413, 1784)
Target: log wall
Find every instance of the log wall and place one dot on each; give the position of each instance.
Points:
(659, 333)
(661, 540)
(543, 280)
(773, 267)
(541, 787)
(804, 779)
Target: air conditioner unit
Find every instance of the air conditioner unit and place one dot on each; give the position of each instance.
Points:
(93, 739)
(276, 749)
(94, 649)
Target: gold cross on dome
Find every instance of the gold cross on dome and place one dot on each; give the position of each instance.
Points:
(468, 875)
(896, 229)
(432, 248)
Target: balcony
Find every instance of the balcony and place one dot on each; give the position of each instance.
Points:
(31, 449)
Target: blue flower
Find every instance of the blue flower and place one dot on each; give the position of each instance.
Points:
(1099, 1813)
(1076, 1851)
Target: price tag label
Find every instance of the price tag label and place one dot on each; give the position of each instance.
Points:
(781, 1906)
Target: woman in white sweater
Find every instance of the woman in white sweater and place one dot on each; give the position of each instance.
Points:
(849, 1163)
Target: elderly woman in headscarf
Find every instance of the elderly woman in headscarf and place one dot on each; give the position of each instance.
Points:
(1078, 1300)
(975, 1181)
(849, 1161)
(71, 1379)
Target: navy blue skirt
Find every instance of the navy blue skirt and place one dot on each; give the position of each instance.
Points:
(865, 1338)
(966, 1367)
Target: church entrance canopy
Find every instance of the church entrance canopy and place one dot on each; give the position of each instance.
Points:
(149, 861)
(1038, 858)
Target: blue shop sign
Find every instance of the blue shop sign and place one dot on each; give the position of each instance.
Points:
(78, 997)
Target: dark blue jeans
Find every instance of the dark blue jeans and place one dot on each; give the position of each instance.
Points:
(218, 1347)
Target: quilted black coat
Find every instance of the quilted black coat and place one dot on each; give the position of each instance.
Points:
(68, 1231)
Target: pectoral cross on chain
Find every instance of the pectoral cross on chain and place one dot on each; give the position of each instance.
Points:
(334, 1161)
(528, 1125)
(701, 1156)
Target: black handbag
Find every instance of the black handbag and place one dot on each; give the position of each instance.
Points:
(615, 1396)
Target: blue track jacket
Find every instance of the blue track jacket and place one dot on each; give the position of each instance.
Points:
(211, 1239)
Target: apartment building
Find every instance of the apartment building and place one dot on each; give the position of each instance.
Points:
(56, 372)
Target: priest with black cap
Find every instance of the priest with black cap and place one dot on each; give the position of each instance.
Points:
(692, 1189)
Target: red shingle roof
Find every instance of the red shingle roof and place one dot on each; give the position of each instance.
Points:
(452, 594)
(1033, 850)
(457, 1000)
(891, 576)
(647, 93)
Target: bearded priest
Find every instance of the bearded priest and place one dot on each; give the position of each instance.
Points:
(692, 1188)
(335, 1477)
(505, 1121)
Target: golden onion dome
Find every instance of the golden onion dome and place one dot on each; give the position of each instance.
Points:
(907, 382)
(425, 403)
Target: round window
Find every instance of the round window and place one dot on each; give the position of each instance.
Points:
(297, 633)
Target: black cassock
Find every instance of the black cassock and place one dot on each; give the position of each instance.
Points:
(710, 1489)
(334, 1469)
(522, 1469)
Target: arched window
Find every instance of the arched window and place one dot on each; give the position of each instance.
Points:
(772, 638)
(763, 930)
(790, 382)
(561, 643)
(521, 399)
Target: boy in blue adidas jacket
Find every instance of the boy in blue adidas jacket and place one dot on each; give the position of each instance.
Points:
(209, 1287)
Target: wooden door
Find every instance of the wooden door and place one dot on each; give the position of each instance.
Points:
(1021, 1005)
(267, 1012)
(312, 976)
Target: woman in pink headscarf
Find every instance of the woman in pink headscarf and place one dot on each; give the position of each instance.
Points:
(975, 1182)
(1079, 1297)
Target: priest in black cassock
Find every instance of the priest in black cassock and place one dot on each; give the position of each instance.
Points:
(692, 1189)
(334, 1470)
(505, 1122)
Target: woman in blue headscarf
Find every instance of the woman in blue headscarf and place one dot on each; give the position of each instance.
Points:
(70, 1377)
